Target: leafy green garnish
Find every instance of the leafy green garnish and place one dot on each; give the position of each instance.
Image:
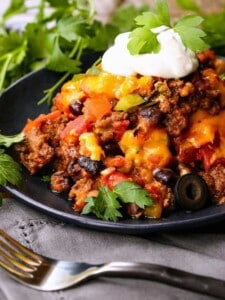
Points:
(143, 39)
(222, 76)
(46, 178)
(130, 192)
(9, 170)
(8, 140)
(213, 24)
(191, 36)
(107, 204)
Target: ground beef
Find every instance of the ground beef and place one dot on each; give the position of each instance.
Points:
(79, 192)
(105, 127)
(60, 182)
(35, 151)
(215, 181)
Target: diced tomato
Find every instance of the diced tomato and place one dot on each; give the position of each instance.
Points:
(119, 127)
(205, 154)
(75, 128)
(154, 192)
(116, 161)
(36, 123)
(97, 107)
(113, 179)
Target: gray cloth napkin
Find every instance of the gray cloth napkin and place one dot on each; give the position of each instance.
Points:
(201, 252)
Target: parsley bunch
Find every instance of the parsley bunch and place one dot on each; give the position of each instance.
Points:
(107, 204)
(144, 40)
(60, 34)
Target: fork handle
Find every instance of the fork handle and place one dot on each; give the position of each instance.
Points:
(197, 283)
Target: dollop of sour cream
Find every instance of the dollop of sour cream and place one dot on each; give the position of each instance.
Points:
(173, 60)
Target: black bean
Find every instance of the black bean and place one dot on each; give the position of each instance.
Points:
(93, 167)
(112, 148)
(165, 176)
(152, 113)
(76, 108)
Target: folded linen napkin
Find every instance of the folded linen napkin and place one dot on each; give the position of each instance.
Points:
(201, 253)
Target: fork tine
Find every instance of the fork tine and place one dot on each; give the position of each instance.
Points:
(13, 260)
(30, 258)
(15, 272)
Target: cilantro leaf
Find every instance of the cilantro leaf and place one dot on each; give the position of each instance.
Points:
(162, 10)
(213, 26)
(105, 206)
(60, 62)
(222, 76)
(191, 36)
(38, 41)
(143, 40)
(9, 170)
(71, 28)
(130, 192)
(107, 203)
(189, 21)
(12, 53)
(101, 36)
(7, 141)
(155, 18)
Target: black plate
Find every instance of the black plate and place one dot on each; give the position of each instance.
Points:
(17, 104)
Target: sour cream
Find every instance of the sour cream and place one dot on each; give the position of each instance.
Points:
(173, 60)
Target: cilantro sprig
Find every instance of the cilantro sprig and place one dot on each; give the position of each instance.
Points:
(213, 24)
(9, 169)
(106, 205)
(143, 39)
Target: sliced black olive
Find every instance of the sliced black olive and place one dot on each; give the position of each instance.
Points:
(94, 167)
(191, 192)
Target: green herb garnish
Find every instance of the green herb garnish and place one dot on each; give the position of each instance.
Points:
(222, 76)
(143, 39)
(213, 24)
(9, 140)
(107, 204)
(9, 169)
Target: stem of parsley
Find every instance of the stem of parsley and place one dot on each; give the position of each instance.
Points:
(78, 48)
(4, 69)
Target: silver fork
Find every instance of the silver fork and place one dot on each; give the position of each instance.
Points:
(47, 274)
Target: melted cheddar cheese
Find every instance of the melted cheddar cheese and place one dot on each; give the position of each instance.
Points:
(205, 130)
(151, 151)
